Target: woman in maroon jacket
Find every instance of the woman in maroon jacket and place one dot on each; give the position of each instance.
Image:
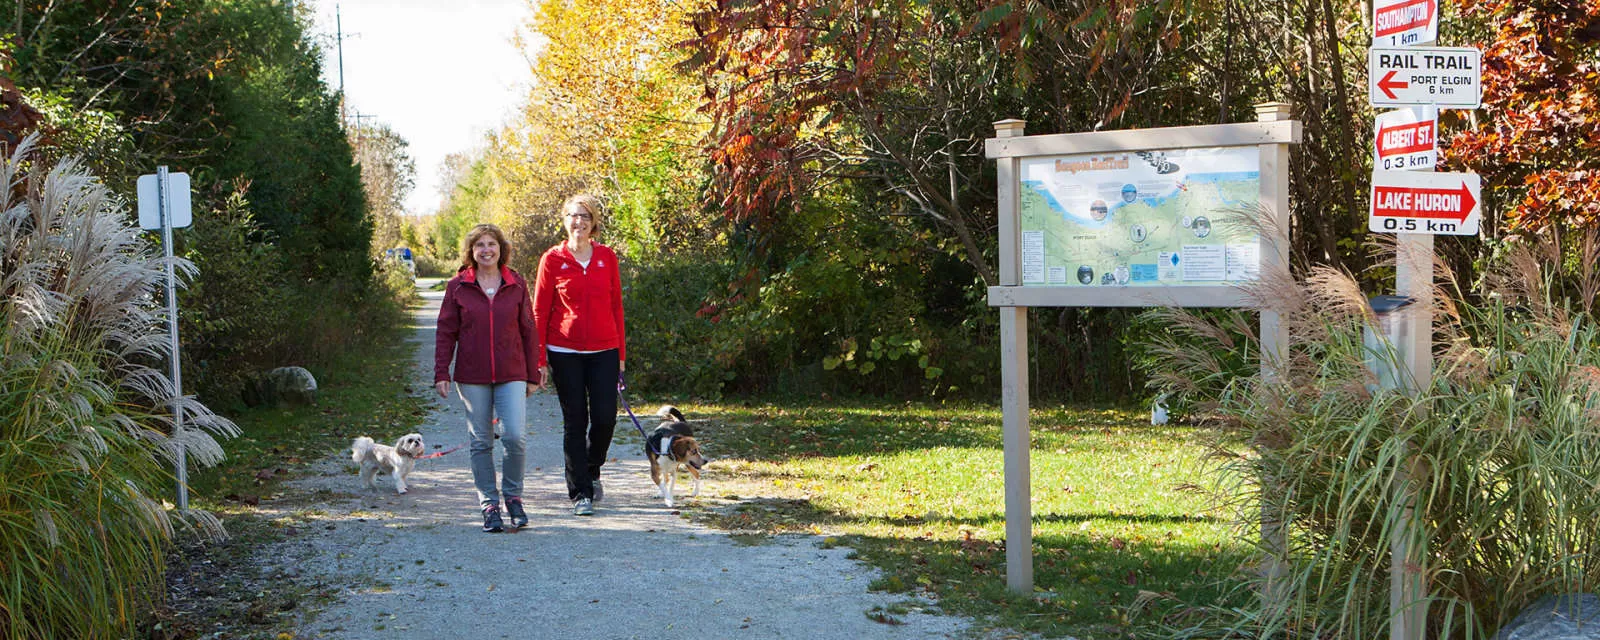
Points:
(485, 322)
(577, 316)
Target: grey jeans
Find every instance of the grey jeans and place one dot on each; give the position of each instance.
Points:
(508, 402)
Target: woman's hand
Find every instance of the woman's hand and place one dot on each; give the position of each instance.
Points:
(444, 388)
(544, 377)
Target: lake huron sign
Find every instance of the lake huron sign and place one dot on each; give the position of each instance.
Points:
(1425, 203)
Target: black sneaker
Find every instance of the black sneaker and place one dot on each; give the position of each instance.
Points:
(599, 490)
(491, 519)
(519, 518)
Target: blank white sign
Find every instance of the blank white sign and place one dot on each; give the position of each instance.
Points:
(178, 205)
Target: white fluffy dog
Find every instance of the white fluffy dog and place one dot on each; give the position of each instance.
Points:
(396, 461)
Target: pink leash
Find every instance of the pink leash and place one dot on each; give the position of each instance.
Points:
(440, 454)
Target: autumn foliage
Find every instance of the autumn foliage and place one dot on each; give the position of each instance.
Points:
(778, 76)
(1540, 142)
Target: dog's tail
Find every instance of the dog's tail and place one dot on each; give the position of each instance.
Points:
(673, 418)
(360, 448)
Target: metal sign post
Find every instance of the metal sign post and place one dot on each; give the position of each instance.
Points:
(164, 204)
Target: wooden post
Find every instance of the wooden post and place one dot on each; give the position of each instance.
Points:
(1014, 380)
(1413, 266)
(1274, 340)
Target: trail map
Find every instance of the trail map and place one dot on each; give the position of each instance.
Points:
(1146, 218)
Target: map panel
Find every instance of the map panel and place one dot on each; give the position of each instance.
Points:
(1145, 218)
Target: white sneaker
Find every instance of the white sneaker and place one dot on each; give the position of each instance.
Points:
(583, 507)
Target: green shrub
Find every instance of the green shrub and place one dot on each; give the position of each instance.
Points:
(672, 346)
(234, 315)
(249, 312)
(431, 267)
(1499, 452)
(83, 419)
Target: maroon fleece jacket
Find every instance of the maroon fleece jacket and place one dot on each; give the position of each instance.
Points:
(492, 341)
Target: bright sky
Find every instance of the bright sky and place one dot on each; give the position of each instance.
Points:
(439, 73)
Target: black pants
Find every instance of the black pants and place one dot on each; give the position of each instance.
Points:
(586, 384)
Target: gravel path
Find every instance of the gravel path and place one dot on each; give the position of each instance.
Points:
(418, 566)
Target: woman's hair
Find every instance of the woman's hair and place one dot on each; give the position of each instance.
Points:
(591, 205)
(472, 238)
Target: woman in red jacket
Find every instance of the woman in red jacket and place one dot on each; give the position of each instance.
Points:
(486, 323)
(577, 316)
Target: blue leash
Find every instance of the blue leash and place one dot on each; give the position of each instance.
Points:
(621, 387)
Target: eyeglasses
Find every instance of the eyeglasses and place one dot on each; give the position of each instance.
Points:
(583, 216)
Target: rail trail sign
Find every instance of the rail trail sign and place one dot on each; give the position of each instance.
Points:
(1425, 203)
(1446, 77)
(1398, 23)
(1406, 140)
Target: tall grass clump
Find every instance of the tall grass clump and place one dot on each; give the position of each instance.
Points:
(1498, 454)
(85, 421)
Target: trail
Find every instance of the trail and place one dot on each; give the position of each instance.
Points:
(418, 565)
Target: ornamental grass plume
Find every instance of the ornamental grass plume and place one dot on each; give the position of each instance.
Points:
(85, 422)
(1499, 453)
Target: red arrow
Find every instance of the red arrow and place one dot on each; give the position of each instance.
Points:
(1388, 83)
(1403, 17)
(1422, 202)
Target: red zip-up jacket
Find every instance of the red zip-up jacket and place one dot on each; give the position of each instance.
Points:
(576, 307)
(492, 341)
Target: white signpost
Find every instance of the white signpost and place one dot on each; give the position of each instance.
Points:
(1416, 204)
(1404, 22)
(1430, 203)
(1406, 139)
(164, 205)
(1446, 77)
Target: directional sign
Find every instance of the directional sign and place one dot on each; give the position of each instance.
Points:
(1448, 77)
(177, 201)
(1406, 140)
(1427, 203)
(1404, 22)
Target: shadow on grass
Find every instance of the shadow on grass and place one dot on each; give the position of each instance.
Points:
(1086, 580)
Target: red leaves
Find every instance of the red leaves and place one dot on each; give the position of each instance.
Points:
(774, 70)
(1542, 95)
(17, 117)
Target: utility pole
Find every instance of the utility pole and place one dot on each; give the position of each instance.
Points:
(361, 132)
(338, 27)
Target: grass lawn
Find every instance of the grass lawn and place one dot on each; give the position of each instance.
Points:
(917, 490)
